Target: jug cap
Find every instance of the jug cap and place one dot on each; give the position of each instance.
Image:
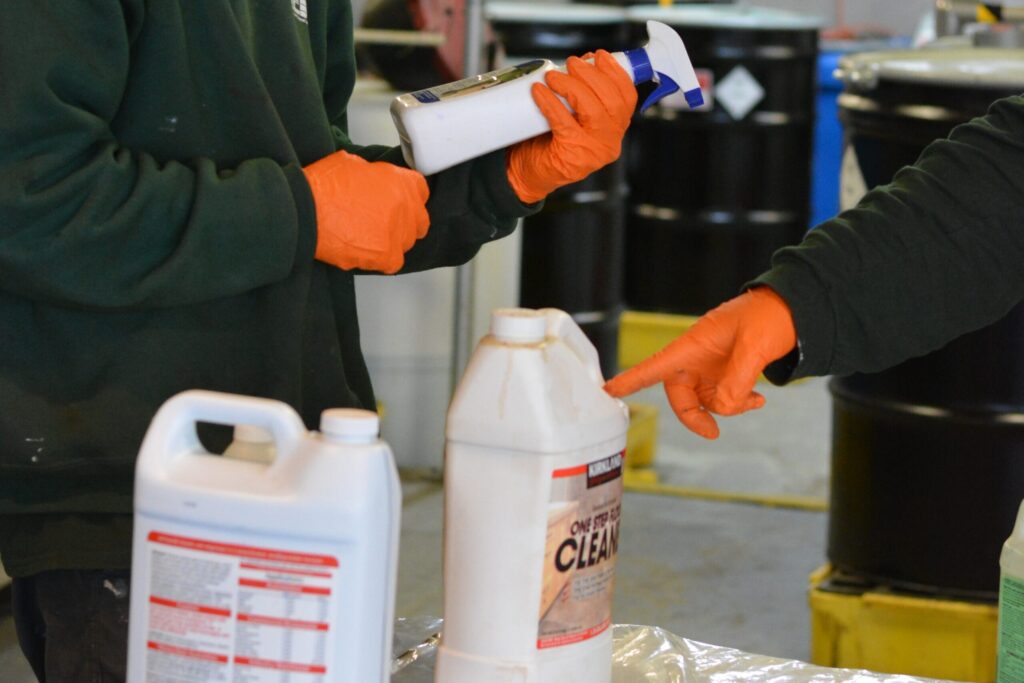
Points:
(350, 424)
(519, 325)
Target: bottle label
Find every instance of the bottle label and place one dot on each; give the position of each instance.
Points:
(468, 86)
(219, 610)
(1011, 629)
(579, 557)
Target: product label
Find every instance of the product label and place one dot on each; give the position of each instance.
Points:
(468, 86)
(1011, 630)
(221, 611)
(739, 93)
(579, 558)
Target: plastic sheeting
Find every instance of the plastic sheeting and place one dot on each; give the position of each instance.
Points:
(646, 654)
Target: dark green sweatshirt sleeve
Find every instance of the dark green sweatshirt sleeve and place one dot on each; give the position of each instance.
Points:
(470, 204)
(936, 254)
(87, 222)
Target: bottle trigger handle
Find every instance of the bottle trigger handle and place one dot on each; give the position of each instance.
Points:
(666, 86)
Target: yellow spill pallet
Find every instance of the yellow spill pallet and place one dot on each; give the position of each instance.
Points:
(642, 437)
(894, 633)
(642, 334)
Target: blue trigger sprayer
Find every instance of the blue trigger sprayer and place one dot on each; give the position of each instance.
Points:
(443, 126)
(663, 60)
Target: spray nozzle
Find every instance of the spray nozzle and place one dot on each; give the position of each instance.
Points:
(665, 61)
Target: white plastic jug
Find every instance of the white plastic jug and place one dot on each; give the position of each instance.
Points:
(249, 571)
(1011, 605)
(533, 489)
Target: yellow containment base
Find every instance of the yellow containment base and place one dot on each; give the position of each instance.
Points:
(642, 437)
(643, 334)
(898, 633)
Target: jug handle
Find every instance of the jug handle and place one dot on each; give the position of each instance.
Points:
(561, 325)
(173, 428)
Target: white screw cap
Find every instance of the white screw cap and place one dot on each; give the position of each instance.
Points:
(519, 325)
(350, 424)
(253, 434)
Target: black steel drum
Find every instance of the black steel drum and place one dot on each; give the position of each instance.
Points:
(572, 258)
(573, 250)
(544, 30)
(927, 457)
(715, 192)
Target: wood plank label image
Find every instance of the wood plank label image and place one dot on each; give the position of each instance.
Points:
(581, 547)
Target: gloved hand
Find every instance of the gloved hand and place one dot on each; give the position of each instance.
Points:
(713, 367)
(603, 97)
(368, 214)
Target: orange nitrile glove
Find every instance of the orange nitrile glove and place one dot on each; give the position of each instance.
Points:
(713, 367)
(368, 214)
(603, 97)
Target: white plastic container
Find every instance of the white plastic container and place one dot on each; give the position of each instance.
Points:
(533, 487)
(247, 571)
(444, 126)
(1011, 605)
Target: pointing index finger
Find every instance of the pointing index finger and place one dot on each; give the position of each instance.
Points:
(678, 355)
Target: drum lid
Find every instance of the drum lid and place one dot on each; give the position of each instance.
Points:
(553, 13)
(725, 16)
(963, 67)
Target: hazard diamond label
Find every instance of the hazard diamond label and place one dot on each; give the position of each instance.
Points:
(739, 92)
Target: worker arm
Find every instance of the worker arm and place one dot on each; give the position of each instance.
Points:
(934, 255)
(482, 199)
(917, 263)
(88, 222)
(469, 205)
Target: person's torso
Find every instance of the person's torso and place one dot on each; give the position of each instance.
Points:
(226, 80)
(232, 79)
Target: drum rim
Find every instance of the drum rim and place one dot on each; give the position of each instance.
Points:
(726, 16)
(979, 68)
(511, 12)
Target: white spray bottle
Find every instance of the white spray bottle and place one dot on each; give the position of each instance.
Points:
(444, 126)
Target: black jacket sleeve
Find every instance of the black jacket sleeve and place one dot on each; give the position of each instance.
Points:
(936, 254)
(470, 204)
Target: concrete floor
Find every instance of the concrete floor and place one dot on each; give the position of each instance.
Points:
(724, 573)
(727, 574)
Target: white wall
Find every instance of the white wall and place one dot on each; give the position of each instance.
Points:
(406, 322)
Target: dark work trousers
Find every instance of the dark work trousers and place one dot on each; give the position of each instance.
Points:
(73, 625)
